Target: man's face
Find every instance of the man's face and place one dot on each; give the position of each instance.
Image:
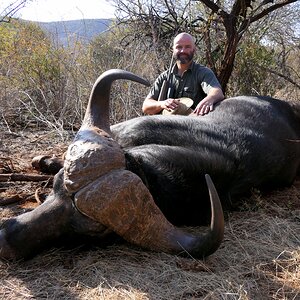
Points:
(183, 50)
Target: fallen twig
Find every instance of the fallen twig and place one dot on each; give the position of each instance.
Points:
(10, 200)
(24, 177)
(37, 196)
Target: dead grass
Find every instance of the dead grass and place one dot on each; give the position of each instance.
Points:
(259, 258)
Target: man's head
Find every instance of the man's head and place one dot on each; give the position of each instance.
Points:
(184, 48)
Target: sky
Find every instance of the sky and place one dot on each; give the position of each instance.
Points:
(62, 10)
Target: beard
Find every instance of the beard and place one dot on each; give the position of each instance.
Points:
(184, 58)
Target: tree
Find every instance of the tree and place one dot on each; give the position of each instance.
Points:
(12, 9)
(236, 22)
(218, 25)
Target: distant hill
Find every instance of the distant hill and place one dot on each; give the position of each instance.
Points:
(66, 32)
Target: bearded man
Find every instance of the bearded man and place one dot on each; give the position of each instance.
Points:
(187, 79)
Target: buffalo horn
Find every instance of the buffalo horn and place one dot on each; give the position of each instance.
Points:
(97, 112)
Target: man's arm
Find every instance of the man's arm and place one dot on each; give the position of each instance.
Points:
(152, 106)
(207, 104)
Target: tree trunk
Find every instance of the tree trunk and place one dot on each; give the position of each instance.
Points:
(231, 44)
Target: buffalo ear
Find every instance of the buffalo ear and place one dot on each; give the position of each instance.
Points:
(47, 164)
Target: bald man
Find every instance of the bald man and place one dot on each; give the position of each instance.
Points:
(188, 79)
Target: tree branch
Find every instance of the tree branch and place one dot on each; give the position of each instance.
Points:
(24, 177)
(270, 9)
(11, 10)
(215, 8)
(287, 78)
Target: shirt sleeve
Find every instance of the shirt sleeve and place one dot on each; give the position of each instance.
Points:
(155, 90)
(209, 80)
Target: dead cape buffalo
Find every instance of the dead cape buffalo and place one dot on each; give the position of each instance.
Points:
(143, 177)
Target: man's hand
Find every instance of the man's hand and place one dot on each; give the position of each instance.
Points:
(207, 104)
(170, 104)
(204, 107)
(152, 106)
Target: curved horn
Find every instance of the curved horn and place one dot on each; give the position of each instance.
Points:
(203, 245)
(97, 112)
(209, 243)
(129, 210)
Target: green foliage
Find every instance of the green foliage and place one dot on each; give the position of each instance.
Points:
(42, 80)
(24, 47)
(249, 77)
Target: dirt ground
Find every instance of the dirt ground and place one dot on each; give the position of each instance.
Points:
(259, 258)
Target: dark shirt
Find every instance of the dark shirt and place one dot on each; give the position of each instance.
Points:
(195, 83)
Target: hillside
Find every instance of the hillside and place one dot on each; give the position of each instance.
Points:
(65, 32)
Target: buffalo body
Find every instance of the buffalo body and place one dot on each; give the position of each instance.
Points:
(245, 142)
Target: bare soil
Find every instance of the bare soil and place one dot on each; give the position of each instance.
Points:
(259, 258)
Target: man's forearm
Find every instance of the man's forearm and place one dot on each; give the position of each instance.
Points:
(151, 106)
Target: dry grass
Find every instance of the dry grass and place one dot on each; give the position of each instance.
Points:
(259, 258)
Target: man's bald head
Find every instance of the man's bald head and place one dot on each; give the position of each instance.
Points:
(184, 37)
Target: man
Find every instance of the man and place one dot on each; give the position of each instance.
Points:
(188, 79)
